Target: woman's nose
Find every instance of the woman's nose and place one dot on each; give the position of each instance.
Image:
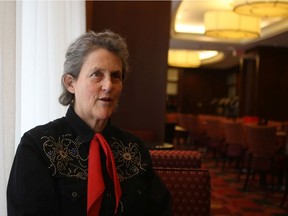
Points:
(107, 84)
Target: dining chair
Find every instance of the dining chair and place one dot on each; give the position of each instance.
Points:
(215, 134)
(196, 133)
(261, 156)
(235, 140)
(181, 129)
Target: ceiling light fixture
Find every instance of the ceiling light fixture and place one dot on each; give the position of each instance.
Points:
(194, 29)
(230, 25)
(207, 54)
(210, 57)
(192, 58)
(183, 58)
(262, 8)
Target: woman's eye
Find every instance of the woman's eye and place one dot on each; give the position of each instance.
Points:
(97, 74)
(117, 76)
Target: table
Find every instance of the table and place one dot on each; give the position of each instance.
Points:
(165, 146)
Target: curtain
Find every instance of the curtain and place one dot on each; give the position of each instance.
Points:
(7, 94)
(34, 36)
(47, 28)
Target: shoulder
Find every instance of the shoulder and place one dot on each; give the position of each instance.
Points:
(51, 129)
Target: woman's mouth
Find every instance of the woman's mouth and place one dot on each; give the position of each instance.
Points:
(106, 99)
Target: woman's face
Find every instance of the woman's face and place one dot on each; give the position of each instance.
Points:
(98, 86)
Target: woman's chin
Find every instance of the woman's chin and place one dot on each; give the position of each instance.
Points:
(104, 116)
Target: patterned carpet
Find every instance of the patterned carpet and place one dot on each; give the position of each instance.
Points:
(228, 198)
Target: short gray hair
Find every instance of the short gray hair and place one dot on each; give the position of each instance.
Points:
(84, 45)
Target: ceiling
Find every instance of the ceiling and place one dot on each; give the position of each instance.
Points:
(274, 32)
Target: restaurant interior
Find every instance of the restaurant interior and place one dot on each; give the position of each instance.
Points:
(208, 82)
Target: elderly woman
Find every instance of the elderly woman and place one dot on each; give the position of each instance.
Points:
(52, 173)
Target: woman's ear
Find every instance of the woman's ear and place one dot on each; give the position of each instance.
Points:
(69, 81)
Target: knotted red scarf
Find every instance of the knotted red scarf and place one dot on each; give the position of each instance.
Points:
(96, 185)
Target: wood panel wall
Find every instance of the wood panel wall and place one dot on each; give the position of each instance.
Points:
(145, 25)
(198, 87)
(270, 80)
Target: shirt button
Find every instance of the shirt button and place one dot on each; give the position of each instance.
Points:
(74, 194)
(108, 195)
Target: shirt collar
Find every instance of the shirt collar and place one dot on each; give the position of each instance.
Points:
(81, 128)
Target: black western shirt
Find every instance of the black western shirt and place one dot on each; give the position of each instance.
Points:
(49, 173)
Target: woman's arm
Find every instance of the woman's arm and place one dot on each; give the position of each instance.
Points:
(31, 189)
(159, 198)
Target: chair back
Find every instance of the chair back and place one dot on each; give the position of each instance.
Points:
(190, 190)
(234, 133)
(194, 125)
(176, 158)
(214, 129)
(261, 139)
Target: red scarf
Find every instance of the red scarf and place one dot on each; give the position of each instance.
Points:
(96, 185)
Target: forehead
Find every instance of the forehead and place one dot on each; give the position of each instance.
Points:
(103, 58)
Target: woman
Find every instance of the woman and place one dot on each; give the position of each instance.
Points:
(50, 171)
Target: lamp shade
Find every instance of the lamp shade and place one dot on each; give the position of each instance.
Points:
(262, 8)
(183, 58)
(230, 25)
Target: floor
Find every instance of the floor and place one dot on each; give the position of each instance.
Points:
(228, 197)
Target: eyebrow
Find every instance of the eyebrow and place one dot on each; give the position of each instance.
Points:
(102, 69)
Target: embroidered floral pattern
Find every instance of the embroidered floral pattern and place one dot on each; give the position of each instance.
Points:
(64, 156)
(128, 159)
